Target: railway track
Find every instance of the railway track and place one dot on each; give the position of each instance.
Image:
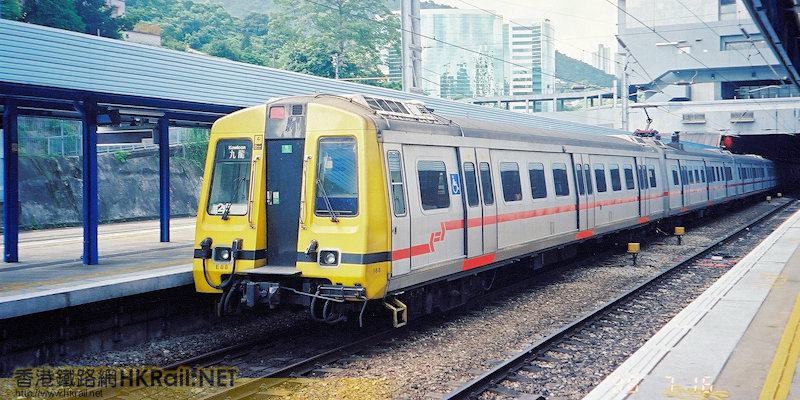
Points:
(516, 376)
(254, 384)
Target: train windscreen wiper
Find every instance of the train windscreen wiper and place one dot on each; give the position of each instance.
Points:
(228, 205)
(327, 202)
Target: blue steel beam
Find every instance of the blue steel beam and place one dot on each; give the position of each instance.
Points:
(10, 182)
(163, 175)
(88, 110)
(43, 92)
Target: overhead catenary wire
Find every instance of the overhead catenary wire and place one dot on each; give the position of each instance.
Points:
(651, 29)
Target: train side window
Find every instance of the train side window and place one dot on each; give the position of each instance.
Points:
(486, 183)
(470, 184)
(629, 185)
(434, 189)
(684, 176)
(675, 181)
(588, 173)
(600, 177)
(719, 173)
(652, 173)
(691, 176)
(396, 176)
(560, 179)
(728, 174)
(696, 176)
(509, 179)
(616, 184)
(579, 175)
(536, 174)
(702, 175)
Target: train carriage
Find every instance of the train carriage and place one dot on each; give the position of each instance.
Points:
(332, 201)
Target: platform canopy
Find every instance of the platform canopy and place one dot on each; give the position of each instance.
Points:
(61, 74)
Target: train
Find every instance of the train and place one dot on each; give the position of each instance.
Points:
(333, 202)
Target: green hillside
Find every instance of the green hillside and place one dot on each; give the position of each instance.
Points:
(240, 8)
(573, 71)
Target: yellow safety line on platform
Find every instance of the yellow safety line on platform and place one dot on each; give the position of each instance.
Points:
(17, 286)
(781, 373)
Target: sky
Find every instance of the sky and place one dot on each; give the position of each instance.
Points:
(580, 25)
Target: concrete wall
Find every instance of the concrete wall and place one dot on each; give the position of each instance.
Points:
(51, 188)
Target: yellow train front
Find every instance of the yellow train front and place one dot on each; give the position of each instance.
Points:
(293, 208)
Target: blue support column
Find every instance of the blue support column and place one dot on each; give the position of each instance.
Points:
(90, 208)
(10, 182)
(163, 174)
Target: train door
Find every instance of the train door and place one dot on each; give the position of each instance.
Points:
(585, 192)
(435, 207)
(657, 187)
(401, 221)
(488, 203)
(284, 164)
(676, 201)
(644, 193)
(473, 212)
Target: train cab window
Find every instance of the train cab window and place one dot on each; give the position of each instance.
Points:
(616, 184)
(588, 173)
(337, 180)
(396, 176)
(579, 176)
(486, 184)
(675, 181)
(470, 184)
(230, 180)
(509, 178)
(434, 188)
(629, 184)
(651, 171)
(600, 178)
(536, 175)
(560, 179)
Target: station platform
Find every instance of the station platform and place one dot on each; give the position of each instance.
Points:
(132, 260)
(739, 340)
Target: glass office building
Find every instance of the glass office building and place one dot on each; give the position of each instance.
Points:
(463, 53)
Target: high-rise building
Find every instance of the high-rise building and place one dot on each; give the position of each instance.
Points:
(602, 59)
(533, 59)
(463, 50)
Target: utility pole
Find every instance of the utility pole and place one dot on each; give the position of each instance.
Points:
(624, 90)
(411, 53)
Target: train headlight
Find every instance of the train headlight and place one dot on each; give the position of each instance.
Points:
(328, 258)
(222, 254)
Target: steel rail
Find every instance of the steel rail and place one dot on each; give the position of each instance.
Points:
(499, 373)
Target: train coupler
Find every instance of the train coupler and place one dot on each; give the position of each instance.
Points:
(399, 311)
(261, 293)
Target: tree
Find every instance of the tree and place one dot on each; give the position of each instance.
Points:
(351, 33)
(55, 13)
(96, 15)
(11, 9)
